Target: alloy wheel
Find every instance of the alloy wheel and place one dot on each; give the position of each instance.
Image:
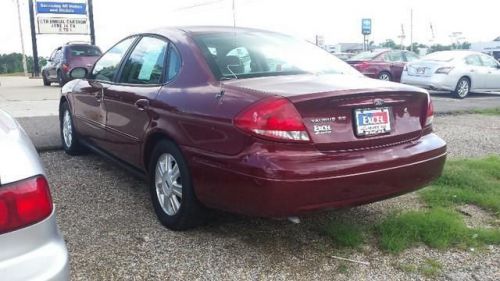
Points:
(168, 184)
(384, 76)
(463, 88)
(67, 129)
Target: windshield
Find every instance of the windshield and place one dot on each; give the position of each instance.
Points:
(365, 56)
(258, 54)
(84, 51)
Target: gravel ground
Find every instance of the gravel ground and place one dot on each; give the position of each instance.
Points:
(111, 231)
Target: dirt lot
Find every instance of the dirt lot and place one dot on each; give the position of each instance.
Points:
(111, 231)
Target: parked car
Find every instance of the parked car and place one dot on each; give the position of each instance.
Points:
(382, 64)
(343, 56)
(249, 121)
(30, 243)
(64, 58)
(459, 72)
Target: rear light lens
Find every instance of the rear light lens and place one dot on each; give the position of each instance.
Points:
(444, 70)
(274, 119)
(65, 67)
(24, 203)
(430, 113)
(362, 66)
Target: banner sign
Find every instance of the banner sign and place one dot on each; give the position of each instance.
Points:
(61, 8)
(53, 25)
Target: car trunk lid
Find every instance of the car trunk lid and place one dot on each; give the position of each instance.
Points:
(329, 105)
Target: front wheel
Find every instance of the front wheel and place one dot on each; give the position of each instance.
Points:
(463, 88)
(46, 81)
(171, 188)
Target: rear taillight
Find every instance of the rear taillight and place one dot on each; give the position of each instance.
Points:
(362, 66)
(24, 203)
(274, 119)
(65, 67)
(444, 70)
(430, 113)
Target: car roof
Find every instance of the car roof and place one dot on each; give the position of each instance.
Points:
(196, 30)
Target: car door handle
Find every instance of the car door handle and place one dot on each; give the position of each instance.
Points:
(472, 70)
(142, 104)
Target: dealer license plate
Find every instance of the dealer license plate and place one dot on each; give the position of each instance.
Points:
(370, 122)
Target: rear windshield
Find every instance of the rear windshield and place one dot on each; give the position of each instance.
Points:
(259, 54)
(84, 51)
(441, 56)
(366, 56)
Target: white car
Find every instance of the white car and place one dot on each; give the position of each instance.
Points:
(31, 247)
(459, 72)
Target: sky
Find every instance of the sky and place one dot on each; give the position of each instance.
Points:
(336, 21)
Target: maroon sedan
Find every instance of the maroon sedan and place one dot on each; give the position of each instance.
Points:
(383, 64)
(249, 121)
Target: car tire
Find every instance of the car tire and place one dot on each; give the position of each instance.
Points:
(385, 76)
(46, 81)
(171, 188)
(462, 89)
(60, 78)
(69, 136)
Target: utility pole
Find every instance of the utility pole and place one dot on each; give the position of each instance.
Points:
(402, 37)
(411, 30)
(36, 68)
(91, 20)
(25, 66)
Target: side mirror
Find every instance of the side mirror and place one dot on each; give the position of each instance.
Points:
(78, 73)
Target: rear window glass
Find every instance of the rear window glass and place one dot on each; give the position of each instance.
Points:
(84, 51)
(366, 56)
(441, 56)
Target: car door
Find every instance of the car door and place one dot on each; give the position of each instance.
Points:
(88, 108)
(492, 73)
(127, 101)
(475, 70)
(52, 67)
(396, 64)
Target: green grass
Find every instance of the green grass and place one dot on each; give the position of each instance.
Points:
(344, 234)
(438, 228)
(431, 268)
(488, 111)
(467, 181)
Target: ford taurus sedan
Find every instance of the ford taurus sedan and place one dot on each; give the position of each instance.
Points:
(460, 72)
(31, 247)
(249, 121)
(382, 64)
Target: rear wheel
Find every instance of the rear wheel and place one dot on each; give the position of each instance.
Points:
(171, 188)
(68, 134)
(60, 78)
(384, 75)
(463, 88)
(46, 81)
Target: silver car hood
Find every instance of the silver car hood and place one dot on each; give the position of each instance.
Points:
(18, 157)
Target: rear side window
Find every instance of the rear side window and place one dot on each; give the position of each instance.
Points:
(411, 57)
(489, 61)
(107, 66)
(145, 64)
(84, 51)
(473, 60)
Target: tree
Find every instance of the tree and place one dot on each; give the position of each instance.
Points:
(13, 63)
(389, 43)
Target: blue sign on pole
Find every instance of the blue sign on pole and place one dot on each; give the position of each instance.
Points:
(366, 26)
(61, 8)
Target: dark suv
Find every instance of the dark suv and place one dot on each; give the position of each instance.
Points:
(65, 58)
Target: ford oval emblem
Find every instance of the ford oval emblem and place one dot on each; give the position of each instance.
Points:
(378, 102)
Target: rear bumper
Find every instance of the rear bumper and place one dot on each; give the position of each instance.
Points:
(286, 183)
(37, 252)
(434, 82)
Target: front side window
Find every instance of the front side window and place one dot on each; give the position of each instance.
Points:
(107, 66)
(393, 57)
(258, 54)
(489, 61)
(145, 64)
